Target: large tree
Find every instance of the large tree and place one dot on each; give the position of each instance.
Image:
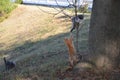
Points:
(104, 34)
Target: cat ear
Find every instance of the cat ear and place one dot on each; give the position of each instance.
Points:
(66, 39)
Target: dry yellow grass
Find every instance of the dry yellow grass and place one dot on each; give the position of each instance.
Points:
(29, 23)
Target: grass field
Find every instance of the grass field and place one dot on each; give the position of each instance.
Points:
(35, 41)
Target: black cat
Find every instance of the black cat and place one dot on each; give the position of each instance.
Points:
(9, 64)
(79, 18)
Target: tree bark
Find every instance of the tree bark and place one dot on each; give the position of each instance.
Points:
(104, 34)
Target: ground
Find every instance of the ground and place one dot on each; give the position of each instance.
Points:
(33, 38)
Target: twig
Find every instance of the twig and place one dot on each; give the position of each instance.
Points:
(77, 26)
(63, 10)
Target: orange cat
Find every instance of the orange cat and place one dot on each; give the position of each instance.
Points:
(72, 51)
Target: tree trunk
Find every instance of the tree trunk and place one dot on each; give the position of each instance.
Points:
(104, 34)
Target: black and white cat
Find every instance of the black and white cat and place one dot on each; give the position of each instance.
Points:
(9, 64)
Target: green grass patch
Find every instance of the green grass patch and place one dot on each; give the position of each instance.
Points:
(5, 8)
(19, 1)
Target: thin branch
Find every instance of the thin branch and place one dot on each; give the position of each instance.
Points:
(63, 10)
(75, 8)
(69, 2)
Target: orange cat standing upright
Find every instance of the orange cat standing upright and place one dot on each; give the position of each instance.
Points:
(72, 51)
